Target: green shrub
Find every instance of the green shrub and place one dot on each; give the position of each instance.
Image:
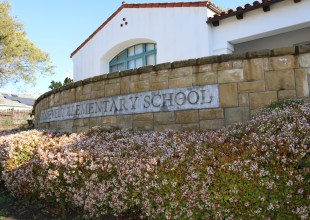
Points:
(259, 170)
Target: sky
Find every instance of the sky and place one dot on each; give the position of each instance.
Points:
(58, 27)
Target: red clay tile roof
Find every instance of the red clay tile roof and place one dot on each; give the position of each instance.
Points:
(265, 4)
(208, 4)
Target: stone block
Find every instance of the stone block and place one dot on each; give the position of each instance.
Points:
(86, 89)
(145, 69)
(244, 99)
(232, 56)
(212, 124)
(140, 86)
(188, 116)
(96, 86)
(113, 75)
(174, 127)
(303, 49)
(205, 78)
(228, 76)
(71, 96)
(164, 117)
(255, 86)
(208, 114)
(282, 62)
(237, 64)
(143, 125)
(159, 86)
(306, 99)
(304, 60)
(280, 80)
(228, 95)
(160, 76)
(62, 101)
(82, 129)
(302, 84)
(74, 129)
(254, 69)
(258, 53)
(162, 66)
(96, 121)
(143, 117)
(112, 89)
(68, 96)
(254, 112)
(78, 93)
(190, 127)
(181, 72)
(184, 63)
(66, 126)
(205, 68)
(222, 66)
(113, 81)
(262, 99)
(97, 94)
(140, 77)
(283, 51)
(129, 72)
(286, 94)
(180, 82)
(125, 85)
(101, 77)
(124, 121)
(235, 115)
(53, 101)
(80, 122)
(207, 60)
(85, 97)
(53, 125)
(108, 119)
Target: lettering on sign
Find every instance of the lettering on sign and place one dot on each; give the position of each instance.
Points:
(198, 97)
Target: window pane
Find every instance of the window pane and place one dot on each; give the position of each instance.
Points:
(139, 49)
(121, 66)
(150, 60)
(114, 59)
(150, 47)
(131, 64)
(139, 62)
(131, 51)
(114, 68)
(134, 57)
(122, 55)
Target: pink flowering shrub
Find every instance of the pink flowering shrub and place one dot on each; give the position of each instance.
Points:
(255, 171)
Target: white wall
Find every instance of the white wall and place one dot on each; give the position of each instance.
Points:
(287, 39)
(180, 33)
(283, 17)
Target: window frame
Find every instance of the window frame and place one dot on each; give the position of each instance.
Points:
(115, 61)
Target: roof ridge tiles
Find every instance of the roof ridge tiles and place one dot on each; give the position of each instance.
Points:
(239, 11)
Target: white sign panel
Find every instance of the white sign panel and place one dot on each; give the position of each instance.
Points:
(198, 97)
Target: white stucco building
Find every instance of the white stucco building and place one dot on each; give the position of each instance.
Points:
(146, 34)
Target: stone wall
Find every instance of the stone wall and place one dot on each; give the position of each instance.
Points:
(246, 83)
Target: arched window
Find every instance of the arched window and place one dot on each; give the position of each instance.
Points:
(134, 57)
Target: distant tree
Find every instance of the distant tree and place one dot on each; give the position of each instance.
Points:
(58, 84)
(20, 59)
(55, 85)
(67, 80)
